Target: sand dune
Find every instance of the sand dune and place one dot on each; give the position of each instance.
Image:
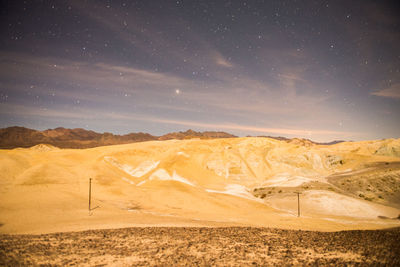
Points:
(235, 181)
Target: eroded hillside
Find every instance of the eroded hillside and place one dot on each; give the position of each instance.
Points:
(235, 181)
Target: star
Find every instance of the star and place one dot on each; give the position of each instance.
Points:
(96, 55)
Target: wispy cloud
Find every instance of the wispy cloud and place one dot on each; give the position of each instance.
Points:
(220, 60)
(34, 111)
(391, 92)
(227, 90)
(90, 114)
(229, 97)
(101, 82)
(249, 128)
(100, 76)
(185, 47)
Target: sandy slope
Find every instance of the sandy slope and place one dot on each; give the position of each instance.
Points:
(189, 182)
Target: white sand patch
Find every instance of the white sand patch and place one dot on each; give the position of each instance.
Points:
(316, 160)
(254, 161)
(127, 180)
(143, 168)
(142, 182)
(110, 160)
(180, 153)
(160, 174)
(219, 167)
(163, 175)
(179, 178)
(285, 180)
(351, 172)
(337, 204)
(331, 203)
(235, 190)
(44, 147)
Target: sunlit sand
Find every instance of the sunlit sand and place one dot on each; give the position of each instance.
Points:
(220, 182)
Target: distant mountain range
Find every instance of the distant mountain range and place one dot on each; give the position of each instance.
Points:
(16, 136)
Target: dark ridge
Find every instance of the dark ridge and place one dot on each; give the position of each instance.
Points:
(281, 138)
(189, 134)
(13, 137)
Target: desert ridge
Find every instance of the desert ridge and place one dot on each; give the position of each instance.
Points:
(247, 181)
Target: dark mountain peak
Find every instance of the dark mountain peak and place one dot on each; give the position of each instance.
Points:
(332, 142)
(16, 129)
(58, 129)
(190, 132)
(193, 134)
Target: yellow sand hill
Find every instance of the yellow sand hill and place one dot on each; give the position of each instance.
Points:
(236, 181)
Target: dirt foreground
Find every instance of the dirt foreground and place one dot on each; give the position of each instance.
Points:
(171, 246)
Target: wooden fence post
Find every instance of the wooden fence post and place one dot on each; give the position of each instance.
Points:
(90, 192)
(298, 204)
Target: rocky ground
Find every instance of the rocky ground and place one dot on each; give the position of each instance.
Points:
(378, 182)
(202, 246)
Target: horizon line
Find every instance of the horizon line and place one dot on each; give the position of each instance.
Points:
(183, 131)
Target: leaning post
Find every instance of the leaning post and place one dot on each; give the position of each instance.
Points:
(90, 193)
(298, 204)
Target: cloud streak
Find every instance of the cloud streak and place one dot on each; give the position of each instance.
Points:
(392, 91)
(249, 128)
(93, 81)
(90, 114)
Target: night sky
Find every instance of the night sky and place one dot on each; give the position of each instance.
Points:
(321, 70)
